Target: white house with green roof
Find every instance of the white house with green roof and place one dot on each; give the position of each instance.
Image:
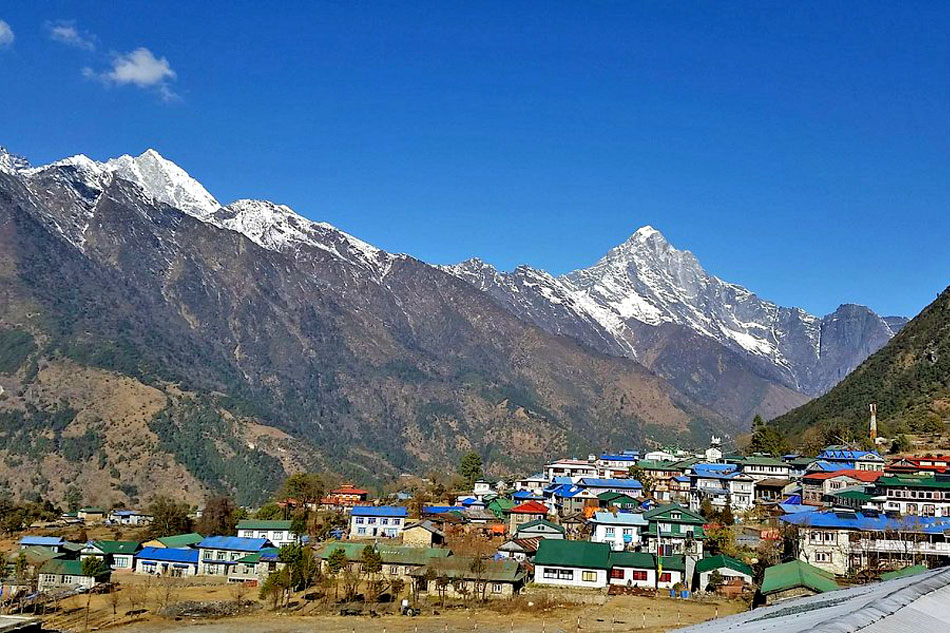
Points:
(540, 528)
(59, 573)
(763, 467)
(572, 563)
(917, 495)
(277, 532)
(727, 566)
(673, 529)
(118, 555)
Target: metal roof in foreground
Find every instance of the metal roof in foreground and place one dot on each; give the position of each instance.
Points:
(915, 603)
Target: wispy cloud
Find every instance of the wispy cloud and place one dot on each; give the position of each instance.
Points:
(6, 34)
(138, 68)
(65, 32)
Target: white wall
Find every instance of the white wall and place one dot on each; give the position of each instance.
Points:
(599, 576)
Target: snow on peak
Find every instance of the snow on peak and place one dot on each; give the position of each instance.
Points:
(164, 181)
(12, 163)
(277, 227)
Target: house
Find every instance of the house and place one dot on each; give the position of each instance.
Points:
(661, 472)
(630, 487)
(570, 498)
(727, 567)
(533, 484)
(572, 468)
(919, 495)
(520, 549)
(346, 496)
(375, 521)
(794, 579)
(91, 514)
(928, 464)
(572, 563)
(674, 529)
(843, 542)
(770, 490)
(118, 555)
(722, 484)
(480, 489)
(845, 458)
(166, 561)
(254, 568)
(52, 543)
(525, 513)
(218, 554)
(617, 500)
(620, 530)
(60, 573)
(492, 578)
(129, 517)
(276, 531)
(398, 561)
(617, 465)
(499, 505)
(422, 534)
(761, 467)
(540, 528)
(818, 484)
(179, 541)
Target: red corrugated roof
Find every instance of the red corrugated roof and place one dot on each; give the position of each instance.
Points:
(861, 475)
(530, 507)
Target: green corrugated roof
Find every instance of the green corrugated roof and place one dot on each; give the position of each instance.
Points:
(859, 495)
(673, 563)
(913, 570)
(637, 560)
(117, 547)
(181, 540)
(60, 566)
(686, 516)
(720, 561)
(648, 464)
(573, 554)
(261, 524)
(256, 556)
(616, 498)
(914, 481)
(391, 554)
(797, 574)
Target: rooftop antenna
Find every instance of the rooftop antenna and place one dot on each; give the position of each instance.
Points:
(872, 430)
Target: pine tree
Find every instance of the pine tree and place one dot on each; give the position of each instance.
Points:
(470, 468)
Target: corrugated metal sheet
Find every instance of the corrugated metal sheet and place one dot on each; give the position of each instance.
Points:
(919, 604)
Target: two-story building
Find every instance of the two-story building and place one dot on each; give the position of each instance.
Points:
(130, 517)
(219, 554)
(917, 495)
(167, 561)
(673, 529)
(816, 485)
(60, 573)
(573, 468)
(346, 496)
(846, 458)
(377, 521)
(620, 530)
(117, 555)
(761, 467)
(278, 532)
(572, 563)
(525, 513)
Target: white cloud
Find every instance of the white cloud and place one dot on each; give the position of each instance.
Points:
(65, 32)
(6, 34)
(139, 68)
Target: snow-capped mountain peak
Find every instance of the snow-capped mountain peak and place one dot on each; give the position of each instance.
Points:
(12, 163)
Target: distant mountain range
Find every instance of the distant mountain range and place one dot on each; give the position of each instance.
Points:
(154, 340)
(715, 341)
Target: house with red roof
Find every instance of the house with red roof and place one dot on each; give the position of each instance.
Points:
(346, 496)
(816, 485)
(525, 513)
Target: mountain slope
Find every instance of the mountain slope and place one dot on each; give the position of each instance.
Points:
(249, 341)
(715, 341)
(909, 379)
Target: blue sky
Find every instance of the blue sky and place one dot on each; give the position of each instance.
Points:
(800, 149)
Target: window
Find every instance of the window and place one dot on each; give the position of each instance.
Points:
(639, 574)
(558, 574)
(278, 536)
(609, 532)
(359, 520)
(822, 557)
(589, 576)
(262, 534)
(371, 520)
(666, 577)
(496, 587)
(396, 521)
(384, 521)
(220, 556)
(361, 530)
(616, 573)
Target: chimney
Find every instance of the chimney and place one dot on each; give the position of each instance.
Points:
(872, 431)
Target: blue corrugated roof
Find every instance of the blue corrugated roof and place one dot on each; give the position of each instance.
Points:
(380, 511)
(168, 555)
(847, 455)
(870, 523)
(524, 495)
(563, 480)
(441, 509)
(619, 458)
(715, 471)
(45, 541)
(236, 543)
(627, 484)
(823, 466)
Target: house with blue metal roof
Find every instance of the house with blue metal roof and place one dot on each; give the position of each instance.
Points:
(621, 530)
(596, 485)
(218, 554)
(166, 561)
(53, 543)
(722, 485)
(844, 542)
(848, 458)
(377, 521)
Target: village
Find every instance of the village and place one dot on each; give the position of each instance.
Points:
(733, 532)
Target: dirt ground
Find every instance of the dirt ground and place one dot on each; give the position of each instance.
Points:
(621, 613)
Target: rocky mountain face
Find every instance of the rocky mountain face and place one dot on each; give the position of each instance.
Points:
(152, 340)
(908, 378)
(716, 341)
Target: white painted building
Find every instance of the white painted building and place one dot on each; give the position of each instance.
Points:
(621, 530)
(278, 532)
